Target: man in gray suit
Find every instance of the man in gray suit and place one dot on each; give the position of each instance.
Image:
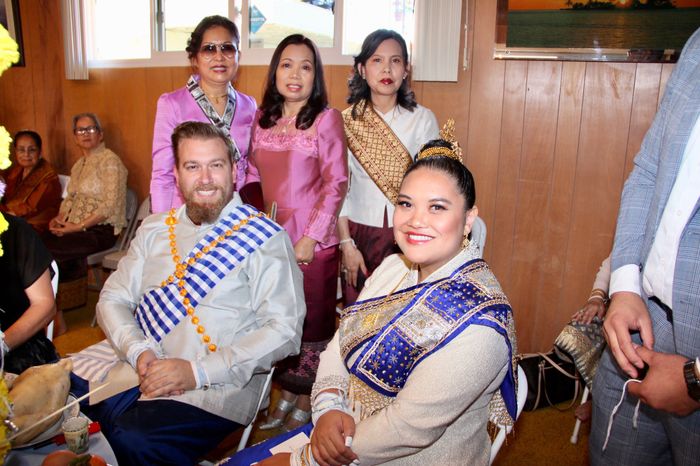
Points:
(654, 316)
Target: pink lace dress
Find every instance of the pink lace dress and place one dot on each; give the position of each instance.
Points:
(304, 172)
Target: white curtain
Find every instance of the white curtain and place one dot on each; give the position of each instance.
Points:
(74, 39)
(436, 40)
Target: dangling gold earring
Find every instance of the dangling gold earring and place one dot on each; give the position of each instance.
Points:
(465, 241)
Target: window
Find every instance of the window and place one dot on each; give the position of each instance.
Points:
(135, 33)
(174, 21)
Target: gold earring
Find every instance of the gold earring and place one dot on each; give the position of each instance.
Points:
(465, 242)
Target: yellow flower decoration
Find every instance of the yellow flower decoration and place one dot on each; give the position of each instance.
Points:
(5, 141)
(8, 50)
(3, 227)
(8, 56)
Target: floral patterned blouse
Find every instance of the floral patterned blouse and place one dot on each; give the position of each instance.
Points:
(97, 185)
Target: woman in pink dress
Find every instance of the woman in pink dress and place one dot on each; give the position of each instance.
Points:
(208, 97)
(298, 155)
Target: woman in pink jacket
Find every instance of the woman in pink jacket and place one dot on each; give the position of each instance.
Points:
(299, 157)
(207, 97)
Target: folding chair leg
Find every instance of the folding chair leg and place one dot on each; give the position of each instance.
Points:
(577, 426)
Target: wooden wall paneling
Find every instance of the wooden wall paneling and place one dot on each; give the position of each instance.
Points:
(128, 130)
(644, 105)
(337, 85)
(483, 139)
(449, 100)
(82, 96)
(17, 95)
(534, 185)
(557, 214)
(251, 81)
(605, 121)
(47, 71)
(499, 244)
(17, 101)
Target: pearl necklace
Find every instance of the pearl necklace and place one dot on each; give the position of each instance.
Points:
(181, 267)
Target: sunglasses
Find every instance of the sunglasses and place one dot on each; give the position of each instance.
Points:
(228, 50)
(86, 130)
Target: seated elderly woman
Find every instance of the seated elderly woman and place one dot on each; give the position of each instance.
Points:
(33, 191)
(94, 210)
(433, 316)
(27, 298)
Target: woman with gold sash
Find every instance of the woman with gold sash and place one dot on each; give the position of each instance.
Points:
(384, 127)
(424, 359)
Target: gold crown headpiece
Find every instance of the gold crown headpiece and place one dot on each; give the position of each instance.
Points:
(447, 134)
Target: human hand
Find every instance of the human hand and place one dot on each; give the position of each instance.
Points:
(664, 386)
(143, 361)
(353, 263)
(594, 307)
(304, 250)
(328, 439)
(627, 313)
(167, 377)
(63, 228)
(280, 459)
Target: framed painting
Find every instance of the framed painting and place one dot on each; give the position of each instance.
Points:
(595, 30)
(9, 18)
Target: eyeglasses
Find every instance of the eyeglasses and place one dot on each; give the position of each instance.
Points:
(86, 130)
(228, 50)
(27, 150)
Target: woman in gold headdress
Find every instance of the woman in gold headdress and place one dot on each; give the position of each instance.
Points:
(436, 309)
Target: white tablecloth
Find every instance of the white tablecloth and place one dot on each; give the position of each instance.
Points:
(31, 457)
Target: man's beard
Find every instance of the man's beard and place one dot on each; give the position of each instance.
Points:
(206, 212)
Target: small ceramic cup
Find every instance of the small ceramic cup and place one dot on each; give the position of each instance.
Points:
(75, 430)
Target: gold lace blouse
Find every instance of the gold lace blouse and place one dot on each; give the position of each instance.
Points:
(97, 185)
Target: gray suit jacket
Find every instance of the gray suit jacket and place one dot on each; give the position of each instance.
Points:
(648, 188)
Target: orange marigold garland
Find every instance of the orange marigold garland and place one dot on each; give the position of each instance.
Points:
(181, 268)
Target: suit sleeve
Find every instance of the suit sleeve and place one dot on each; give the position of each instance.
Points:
(640, 186)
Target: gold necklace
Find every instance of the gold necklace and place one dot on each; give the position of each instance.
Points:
(216, 98)
(289, 121)
(181, 268)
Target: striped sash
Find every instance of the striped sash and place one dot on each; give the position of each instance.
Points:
(161, 309)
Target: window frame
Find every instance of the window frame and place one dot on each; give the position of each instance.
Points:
(249, 56)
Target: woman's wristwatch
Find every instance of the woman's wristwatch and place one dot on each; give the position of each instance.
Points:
(691, 370)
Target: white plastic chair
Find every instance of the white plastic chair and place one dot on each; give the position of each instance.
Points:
(263, 395)
(54, 285)
(478, 234)
(111, 260)
(96, 258)
(505, 430)
(64, 179)
(577, 426)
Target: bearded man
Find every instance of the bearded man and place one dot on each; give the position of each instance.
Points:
(207, 299)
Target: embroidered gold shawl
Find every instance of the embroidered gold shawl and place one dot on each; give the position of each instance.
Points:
(377, 148)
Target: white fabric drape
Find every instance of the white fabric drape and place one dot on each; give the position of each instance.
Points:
(74, 39)
(436, 42)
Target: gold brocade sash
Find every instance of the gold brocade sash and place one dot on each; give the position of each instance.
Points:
(377, 148)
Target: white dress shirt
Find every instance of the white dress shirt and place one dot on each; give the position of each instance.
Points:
(365, 203)
(657, 279)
